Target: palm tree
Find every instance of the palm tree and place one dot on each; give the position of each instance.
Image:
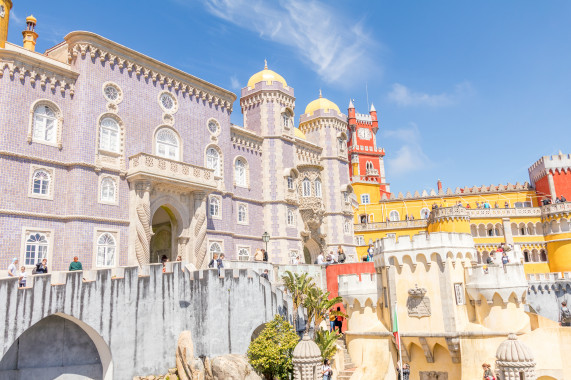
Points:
(298, 287)
(326, 341)
(317, 304)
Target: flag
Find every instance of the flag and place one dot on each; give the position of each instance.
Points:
(396, 328)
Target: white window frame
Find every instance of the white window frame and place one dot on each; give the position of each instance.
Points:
(293, 253)
(211, 244)
(97, 234)
(208, 163)
(238, 216)
(51, 174)
(306, 187)
(290, 183)
(218, 215)
(392, 217)
(117, 88)
(174, 109)
(244, 180)
(347, 228)
(115, 180)
(157, 144)
(218, 128)
(459, 293)
(427, 213)
(286, 119)
(318, 188)
(291, 217)
(58, 124)
(360, 240)
(365, 199)
(243, 248)
(28, 231)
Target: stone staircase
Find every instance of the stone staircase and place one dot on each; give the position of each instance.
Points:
(349, 366)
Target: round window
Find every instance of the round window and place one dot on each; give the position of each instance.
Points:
(111, 93)
(167, 101)
(213, 126)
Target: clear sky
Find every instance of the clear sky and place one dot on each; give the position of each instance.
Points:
(471, 92)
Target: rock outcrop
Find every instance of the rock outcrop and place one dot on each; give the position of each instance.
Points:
(233, 367)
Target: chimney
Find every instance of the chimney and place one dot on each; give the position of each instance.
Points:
(30, 36)
(439, 185)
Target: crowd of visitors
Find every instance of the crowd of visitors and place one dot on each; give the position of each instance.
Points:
(547, 201)
(22, 275)
(498, 257)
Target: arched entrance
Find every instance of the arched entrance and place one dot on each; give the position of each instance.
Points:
(58, 347)
(165, 233)
(310, 251)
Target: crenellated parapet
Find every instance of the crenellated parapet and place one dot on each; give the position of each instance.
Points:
(359, 287)
(474, 190)
(559, 163)
(436, 246)
(486, 281)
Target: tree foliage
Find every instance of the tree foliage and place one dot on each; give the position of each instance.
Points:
(318, 304)
(271, 352)
(298, 287)
(326, 341)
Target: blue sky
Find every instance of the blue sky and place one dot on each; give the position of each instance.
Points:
(468, 92)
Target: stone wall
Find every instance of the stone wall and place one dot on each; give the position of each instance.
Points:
(546, 292)
(134, 316)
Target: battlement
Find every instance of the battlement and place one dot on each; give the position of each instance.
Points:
(475, 190)
(546, 164)
(448, 213)
(437, 246)
(487, 280)
(359, 287)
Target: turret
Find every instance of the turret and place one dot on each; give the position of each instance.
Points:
(351, 113)
(5, 7)
(373, 113)
(30, 35)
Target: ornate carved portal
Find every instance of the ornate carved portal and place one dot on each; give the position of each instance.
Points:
(418, 304)
(433, 375)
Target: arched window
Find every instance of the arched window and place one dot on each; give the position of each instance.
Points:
(424, 213)
(108, 190)
(215, 207)
(306, 190)
(242, 213)
(286, 119)
(240, 172)
(36, 248)
(290, 217)
(213, 161)
(526, 256)
(215, 247)
(41, 182)
(394, 216)
(318, 188)
(369, 165)
(543, 255)
(109, 135)
(45, 124)
(243, 254)
(106, 247)
(341, 143)
(363, 218)
(167, 144)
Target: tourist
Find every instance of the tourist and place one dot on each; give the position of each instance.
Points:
(295, 260)
(258, 256)
(75, 264)
(564, 315)
(478, 205)
(265, 254)
(320, 259)
(563, 200)
(220, 263)
(179, 258)
(370, 252)
(341, 255)
(505, 259)
(496, 205)
(330, 258)
(468, 205)
(405, 372)
(22, 277)
(490, 259)
(434, 206)
(339, 321)
(506, 204)
(331, 321)
(164, 260)
(13, 268)
(214, 261)
(488, 375)
(327, 371)
(265, 275)
(486, 204)
(41, 267)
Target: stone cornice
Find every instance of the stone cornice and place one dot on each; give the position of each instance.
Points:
(81, 43)
(66, 218)
(56, 162)
(245, 138)
(37, 68)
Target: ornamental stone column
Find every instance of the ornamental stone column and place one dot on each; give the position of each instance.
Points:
(142, 222)
(199, 223)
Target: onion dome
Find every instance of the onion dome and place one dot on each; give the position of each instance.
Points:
(306, 349)
(321, 103)
(299, 134)
(512, 352)
(266, 75)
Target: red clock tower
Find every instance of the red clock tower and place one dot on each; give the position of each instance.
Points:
(367, 161)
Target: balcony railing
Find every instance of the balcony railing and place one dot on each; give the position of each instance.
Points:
(556, 208)
(391, 225)
(144, 165)
(503, 212)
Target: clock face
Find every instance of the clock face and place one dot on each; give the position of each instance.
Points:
(364, 134)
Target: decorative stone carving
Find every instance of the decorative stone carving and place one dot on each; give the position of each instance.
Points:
(200, 229)
(306, 360)
(433, 375)
(418, 304)
(143, 224)
(514, 358)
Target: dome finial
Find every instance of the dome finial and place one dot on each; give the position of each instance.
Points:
(265, 64)
(320, 94)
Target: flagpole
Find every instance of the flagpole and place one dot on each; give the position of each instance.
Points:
(399, 343)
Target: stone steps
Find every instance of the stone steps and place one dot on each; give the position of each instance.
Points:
(349, 367)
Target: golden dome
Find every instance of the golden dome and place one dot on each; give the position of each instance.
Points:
(299, 134)
(321, 103)
(266, 75)
(31, 19)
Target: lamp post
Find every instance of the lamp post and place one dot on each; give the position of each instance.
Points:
(266, 239)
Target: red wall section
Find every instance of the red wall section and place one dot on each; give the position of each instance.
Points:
(332, 273)
(542, 188)
(562, 183)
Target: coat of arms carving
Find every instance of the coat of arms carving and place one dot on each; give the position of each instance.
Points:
(418, 304)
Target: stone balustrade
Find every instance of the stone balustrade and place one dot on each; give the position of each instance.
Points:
(448, 213)
(487, 280)
(147, 166)
(556, 209)
(417, 223)
(503, 212)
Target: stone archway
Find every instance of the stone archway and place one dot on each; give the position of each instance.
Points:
(310, 251)
(165, 228)
(58, 346)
